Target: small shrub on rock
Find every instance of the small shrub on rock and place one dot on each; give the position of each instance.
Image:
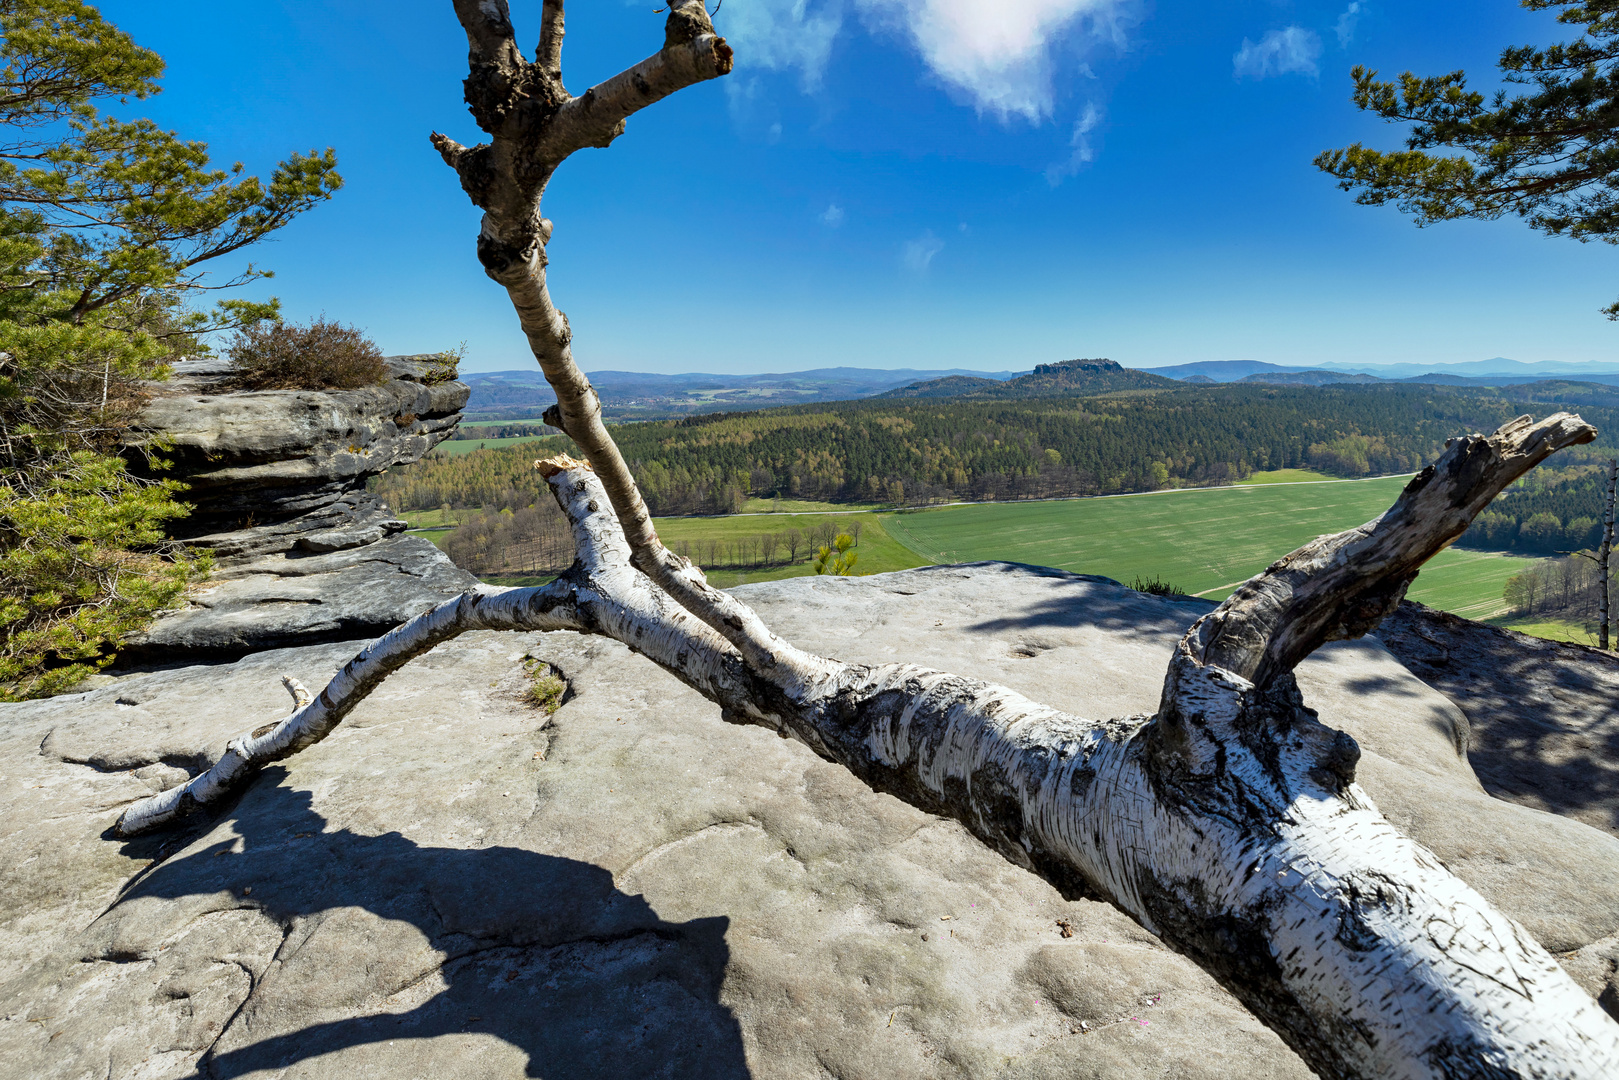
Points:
(324, 355)
(446, 366)
(1156, 586)
(545, 689)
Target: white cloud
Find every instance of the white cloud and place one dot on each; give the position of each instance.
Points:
(918, 253)
(832, 215)
(1345, 29)
(1080, 142)
(1293, 49)
(784, 35)
(1000, 52)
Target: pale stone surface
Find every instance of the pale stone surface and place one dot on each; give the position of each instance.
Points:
(255, 461)
(454, 884)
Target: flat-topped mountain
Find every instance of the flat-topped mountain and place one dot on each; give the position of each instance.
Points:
(1099, 376)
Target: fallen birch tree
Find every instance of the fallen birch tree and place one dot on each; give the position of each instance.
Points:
(1228, 823)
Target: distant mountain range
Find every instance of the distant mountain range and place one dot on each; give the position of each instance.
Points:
(1495, 372)
(630, 395)
(636, 395)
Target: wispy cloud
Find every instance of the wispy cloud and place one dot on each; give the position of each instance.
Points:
(918, 254)
(785, 35)
(1279, 52)
(1080, 142)
(1345, 28)
(832, 216)
(1000, 54)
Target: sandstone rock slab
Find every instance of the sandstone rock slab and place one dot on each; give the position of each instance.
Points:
(455, 884)
(304, 597)
(1544, 714)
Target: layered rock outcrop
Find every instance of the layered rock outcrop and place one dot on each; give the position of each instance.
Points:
(456, 884)
(277, 478)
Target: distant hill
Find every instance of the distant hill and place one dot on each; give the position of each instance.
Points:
(948, 387)
(1488, 369)
(1494, 372)
(1218, 370)
(1046, 380)
(640, 395)
(1311, 378)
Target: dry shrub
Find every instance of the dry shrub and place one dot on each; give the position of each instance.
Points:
(324, 355)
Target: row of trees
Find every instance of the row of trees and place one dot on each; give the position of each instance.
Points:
(919, 453)
(783, 547)
(514, 536)
(1566, 588)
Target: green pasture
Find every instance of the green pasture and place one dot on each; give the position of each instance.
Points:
(1204, 540)
(878, 551)
(455, 447)
(801, 506)
(1467, 583)
(1555, 629)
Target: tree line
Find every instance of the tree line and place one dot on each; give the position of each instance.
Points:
(1564, 588)
(915, 453)
(513, 536)
(1549, 511)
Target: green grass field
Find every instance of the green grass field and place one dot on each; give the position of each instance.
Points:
(801, 506)
(1555, 629)
(1205, 541)
(455, 447)
(878, 551)
(1467, 583)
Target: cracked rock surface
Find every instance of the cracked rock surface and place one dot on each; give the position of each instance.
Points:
(456, 884)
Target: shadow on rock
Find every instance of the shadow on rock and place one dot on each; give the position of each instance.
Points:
(538, 951)
(1544, 714)
(1116, 610)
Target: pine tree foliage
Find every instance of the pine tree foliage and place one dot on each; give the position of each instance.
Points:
(1549, 154)
(107, 229)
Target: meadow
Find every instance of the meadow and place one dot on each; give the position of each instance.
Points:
(1204, 541)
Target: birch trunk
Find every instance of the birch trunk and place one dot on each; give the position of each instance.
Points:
(1605, 553)
(1229, 823)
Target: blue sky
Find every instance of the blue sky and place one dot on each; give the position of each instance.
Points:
(900, 183)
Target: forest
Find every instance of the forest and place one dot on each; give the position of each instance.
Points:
(906, 453)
